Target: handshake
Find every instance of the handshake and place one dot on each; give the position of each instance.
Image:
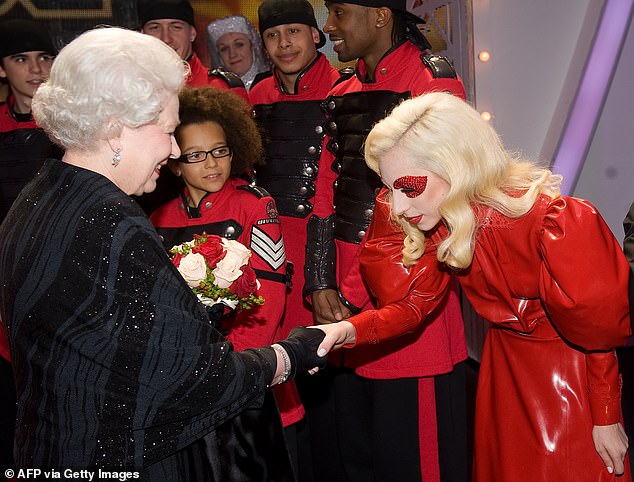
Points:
(305, 349)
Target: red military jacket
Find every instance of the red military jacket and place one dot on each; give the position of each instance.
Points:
(312, 84)
(400, 70)
(10, 121)
(259, 231)
(554, 284)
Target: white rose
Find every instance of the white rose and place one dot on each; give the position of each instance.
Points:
(193, 268)
(237, 251)
(228, 268)
(226, 272)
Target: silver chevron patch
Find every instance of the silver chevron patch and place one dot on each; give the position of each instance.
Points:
(271, 251)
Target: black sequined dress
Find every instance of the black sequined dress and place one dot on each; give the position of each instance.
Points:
(117, 366)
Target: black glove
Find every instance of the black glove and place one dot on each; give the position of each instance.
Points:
(216, 315)
(301, 346)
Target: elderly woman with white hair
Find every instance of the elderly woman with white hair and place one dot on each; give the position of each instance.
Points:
(235, 44)
(116, 364)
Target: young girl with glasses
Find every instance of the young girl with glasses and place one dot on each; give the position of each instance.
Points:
(219, 143)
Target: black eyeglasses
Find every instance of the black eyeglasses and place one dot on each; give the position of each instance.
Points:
(200, 156)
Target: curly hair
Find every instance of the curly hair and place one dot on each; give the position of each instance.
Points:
(209, 104)
(104, 74)
(447, 137)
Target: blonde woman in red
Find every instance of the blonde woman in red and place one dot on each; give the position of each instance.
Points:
(543, 268)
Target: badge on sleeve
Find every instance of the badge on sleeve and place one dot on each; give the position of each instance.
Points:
(271, 251)
(272, 214)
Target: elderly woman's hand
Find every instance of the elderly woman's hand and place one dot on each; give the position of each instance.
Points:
(301, 349)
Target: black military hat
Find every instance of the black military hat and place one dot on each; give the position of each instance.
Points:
(23, 35)
(272, 13)
(160, 9)
(393, 4)
(400, 5)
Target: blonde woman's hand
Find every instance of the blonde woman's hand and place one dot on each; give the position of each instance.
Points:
(610, 443)
(337, 335)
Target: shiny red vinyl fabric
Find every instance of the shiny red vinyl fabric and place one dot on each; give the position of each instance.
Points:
(554, 285)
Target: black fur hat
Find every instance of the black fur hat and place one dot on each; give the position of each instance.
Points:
(22, 35)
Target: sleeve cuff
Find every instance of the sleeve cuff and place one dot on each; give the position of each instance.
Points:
(364, 326)
(606, 410)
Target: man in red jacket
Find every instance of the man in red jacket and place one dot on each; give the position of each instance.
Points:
(172, 21)
(395, 401)
(287, 108)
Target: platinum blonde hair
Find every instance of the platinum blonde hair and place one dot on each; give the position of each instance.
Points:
(106, 76)
(447, 137)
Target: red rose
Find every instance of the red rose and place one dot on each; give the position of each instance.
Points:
(246, 284)
(176, 259)
(211, 250)
(207, 237)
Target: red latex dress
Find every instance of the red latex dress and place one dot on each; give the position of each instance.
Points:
(553, 284)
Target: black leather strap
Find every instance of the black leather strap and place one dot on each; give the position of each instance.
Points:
(321, 255)
(233, 81)
(285, 278)
(353, 309)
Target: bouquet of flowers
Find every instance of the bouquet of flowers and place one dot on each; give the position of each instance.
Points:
(218, 271)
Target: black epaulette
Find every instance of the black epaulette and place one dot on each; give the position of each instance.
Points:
(232, 80)
(440, 66)
(257, 191)
(260, 77)
(344, 74)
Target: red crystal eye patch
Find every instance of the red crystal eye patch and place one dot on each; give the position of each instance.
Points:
(411, 186)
